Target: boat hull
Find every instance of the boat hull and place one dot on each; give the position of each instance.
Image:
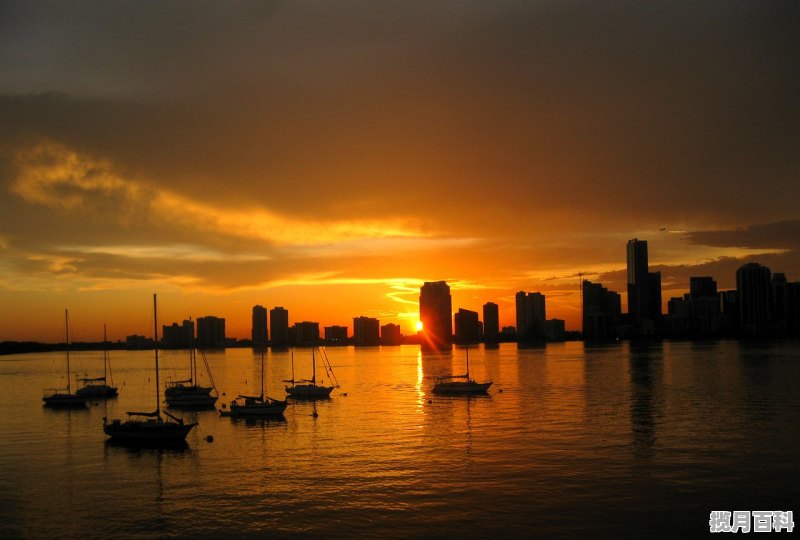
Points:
(190, 396)
(97, 391)
(266, 409)
(65, 400)
(147, 431)
(461, 388)
(309, 391)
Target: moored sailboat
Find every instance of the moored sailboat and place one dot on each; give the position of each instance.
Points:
(99, 387)
(187, 393)
(460, 384)
(260, 405)
(308, 388)
(149, 427)
(63, 397)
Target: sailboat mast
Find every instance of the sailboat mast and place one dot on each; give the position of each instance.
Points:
(313, 367)
(262, 374)
(155, 344)
(66, 330)
(467, 362)
(105, 353)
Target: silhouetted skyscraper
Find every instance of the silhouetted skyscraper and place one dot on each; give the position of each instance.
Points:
(305, 334)
(279, 327)
(259, 327)
(336, 335)
(531, 316)
(467, 326)
(754, 294)
(436, 314)
(390, 334)
(491, 323)
(366, 331)
(638, 280)
(601, 311)
(702, 287)
(211, 331)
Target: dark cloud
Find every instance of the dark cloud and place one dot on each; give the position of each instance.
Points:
(779, 235)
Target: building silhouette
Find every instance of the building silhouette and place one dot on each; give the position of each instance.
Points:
(555, 330)
(754, 291)
(602, 311)
(279, 327)
(644, 289)
(210, 332)
(305, 334)
(177, 336)
(366, 331)
(390, 334)
(259, 333)
(436, 314)
(491, 322)
(468, 328)
(336, 335)
(531, 316)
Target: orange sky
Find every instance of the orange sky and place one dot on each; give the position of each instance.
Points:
(332, 158)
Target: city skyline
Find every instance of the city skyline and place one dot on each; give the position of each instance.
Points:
(332, 159)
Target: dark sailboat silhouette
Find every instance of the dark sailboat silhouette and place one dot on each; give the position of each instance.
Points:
(63, 397)
(149, 427)
(99, 387)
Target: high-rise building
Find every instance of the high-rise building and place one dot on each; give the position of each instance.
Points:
(390, 334)
(211, 331)
(601, 311)
(436, 314)
(491, 323)
(279, 327)
(366, 331)
(468, 326)
(305, 334)
(259, 333)
(531, 316)
(177, 337)
(336, 335)
(638, 281)
(702, 287)
(754, 288)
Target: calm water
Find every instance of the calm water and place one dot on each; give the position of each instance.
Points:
(572, 441)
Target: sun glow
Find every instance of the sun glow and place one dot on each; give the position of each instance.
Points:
(418, 326)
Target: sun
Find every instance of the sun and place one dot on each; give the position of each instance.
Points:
(418, 326)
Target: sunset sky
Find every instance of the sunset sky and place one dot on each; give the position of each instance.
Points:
(329, 157)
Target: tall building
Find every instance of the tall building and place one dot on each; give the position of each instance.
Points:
(305, 334)
(638, 280)
(177, 337)
(279, 327)
(644, 289)
(390, 334)
(531, 316)
(601, 311)
(211, 332)
(366, 331)
(336, 335)
(491, 323)
(468, 326)
(702, 287)
(754, 292)
(436, 314)
(259, 333)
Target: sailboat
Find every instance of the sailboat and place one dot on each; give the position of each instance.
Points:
(149, 427)
(98, 387)
(63, 397)
(460, 384)
(255, 405)
(187, 393)
(308, 388)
